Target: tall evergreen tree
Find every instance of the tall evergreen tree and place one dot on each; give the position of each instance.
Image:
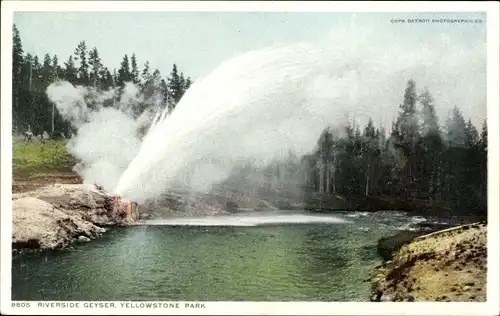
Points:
(17, 54)
(175, 85)
(429, 148)
(164, 92)
(27, 73)
(483, 165)
(456, 129)
(188, 83)
(17, 67)
(430, 123)
(47, 72)
(36, 77)
(70, 71)
(124, 74)
(371, 153)
(145, 75)
(406, 135)
(471, 135)
(483, 142)
(147, 82)
(83, 69)
(57, 71)
(96, 64)
(106, 79)
(135, 70)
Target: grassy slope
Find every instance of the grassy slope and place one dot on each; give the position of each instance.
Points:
(36, 163)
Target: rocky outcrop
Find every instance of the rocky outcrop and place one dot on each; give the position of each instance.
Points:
(447, 265)
(386, 246)
(56, 216)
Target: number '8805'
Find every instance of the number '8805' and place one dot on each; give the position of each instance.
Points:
(20, 304)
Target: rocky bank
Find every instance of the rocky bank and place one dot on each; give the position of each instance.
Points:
(447, 265)
(59, 215)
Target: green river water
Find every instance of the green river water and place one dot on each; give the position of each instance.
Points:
(288, 258)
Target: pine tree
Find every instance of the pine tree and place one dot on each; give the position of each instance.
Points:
(27, 72)
(96, 64)
(182, 86)
(17, 54)
(175, 86)
(116, 86)
(407, 119)
(17, 68)
(406, 135)
(145, 75)
(471, 135)
(39, 117)
(325, 158)
(370, 152)
(47, 72)
(44, 107)
(124, 74)
(156, 78)
(135, 70)
(188, 84)
(456, 160)
(164, 92)
(36, 74)
(456, 129)
(70, 71)
(57, 71)
(83, 69)
(430, 123)
(106, 79)
(483, 142)
(483, 166)
(429, 148)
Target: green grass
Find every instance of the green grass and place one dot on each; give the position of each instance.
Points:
(35, 157)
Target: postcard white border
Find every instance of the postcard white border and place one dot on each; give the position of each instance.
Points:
(491, 307)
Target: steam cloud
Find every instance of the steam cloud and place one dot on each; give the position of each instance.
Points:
(107, 138)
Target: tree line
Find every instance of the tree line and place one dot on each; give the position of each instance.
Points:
(31, 108)
(416, 159)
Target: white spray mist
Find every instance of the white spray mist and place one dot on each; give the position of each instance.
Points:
(107, 138)
(261, 105)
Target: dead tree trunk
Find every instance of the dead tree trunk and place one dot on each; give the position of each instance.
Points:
(328, 178)
(367, 187)
(321, 172)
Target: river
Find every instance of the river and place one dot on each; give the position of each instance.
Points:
(255, 257)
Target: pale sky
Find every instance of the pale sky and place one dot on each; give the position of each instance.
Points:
(198, 41)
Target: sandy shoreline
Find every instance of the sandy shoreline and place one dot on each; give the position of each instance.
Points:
(447, 265)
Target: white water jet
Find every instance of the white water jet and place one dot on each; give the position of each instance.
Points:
(261, 105)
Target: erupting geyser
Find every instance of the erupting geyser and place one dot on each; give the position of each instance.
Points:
(263, 104)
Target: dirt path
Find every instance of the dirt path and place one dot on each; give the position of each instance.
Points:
(35, 181)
